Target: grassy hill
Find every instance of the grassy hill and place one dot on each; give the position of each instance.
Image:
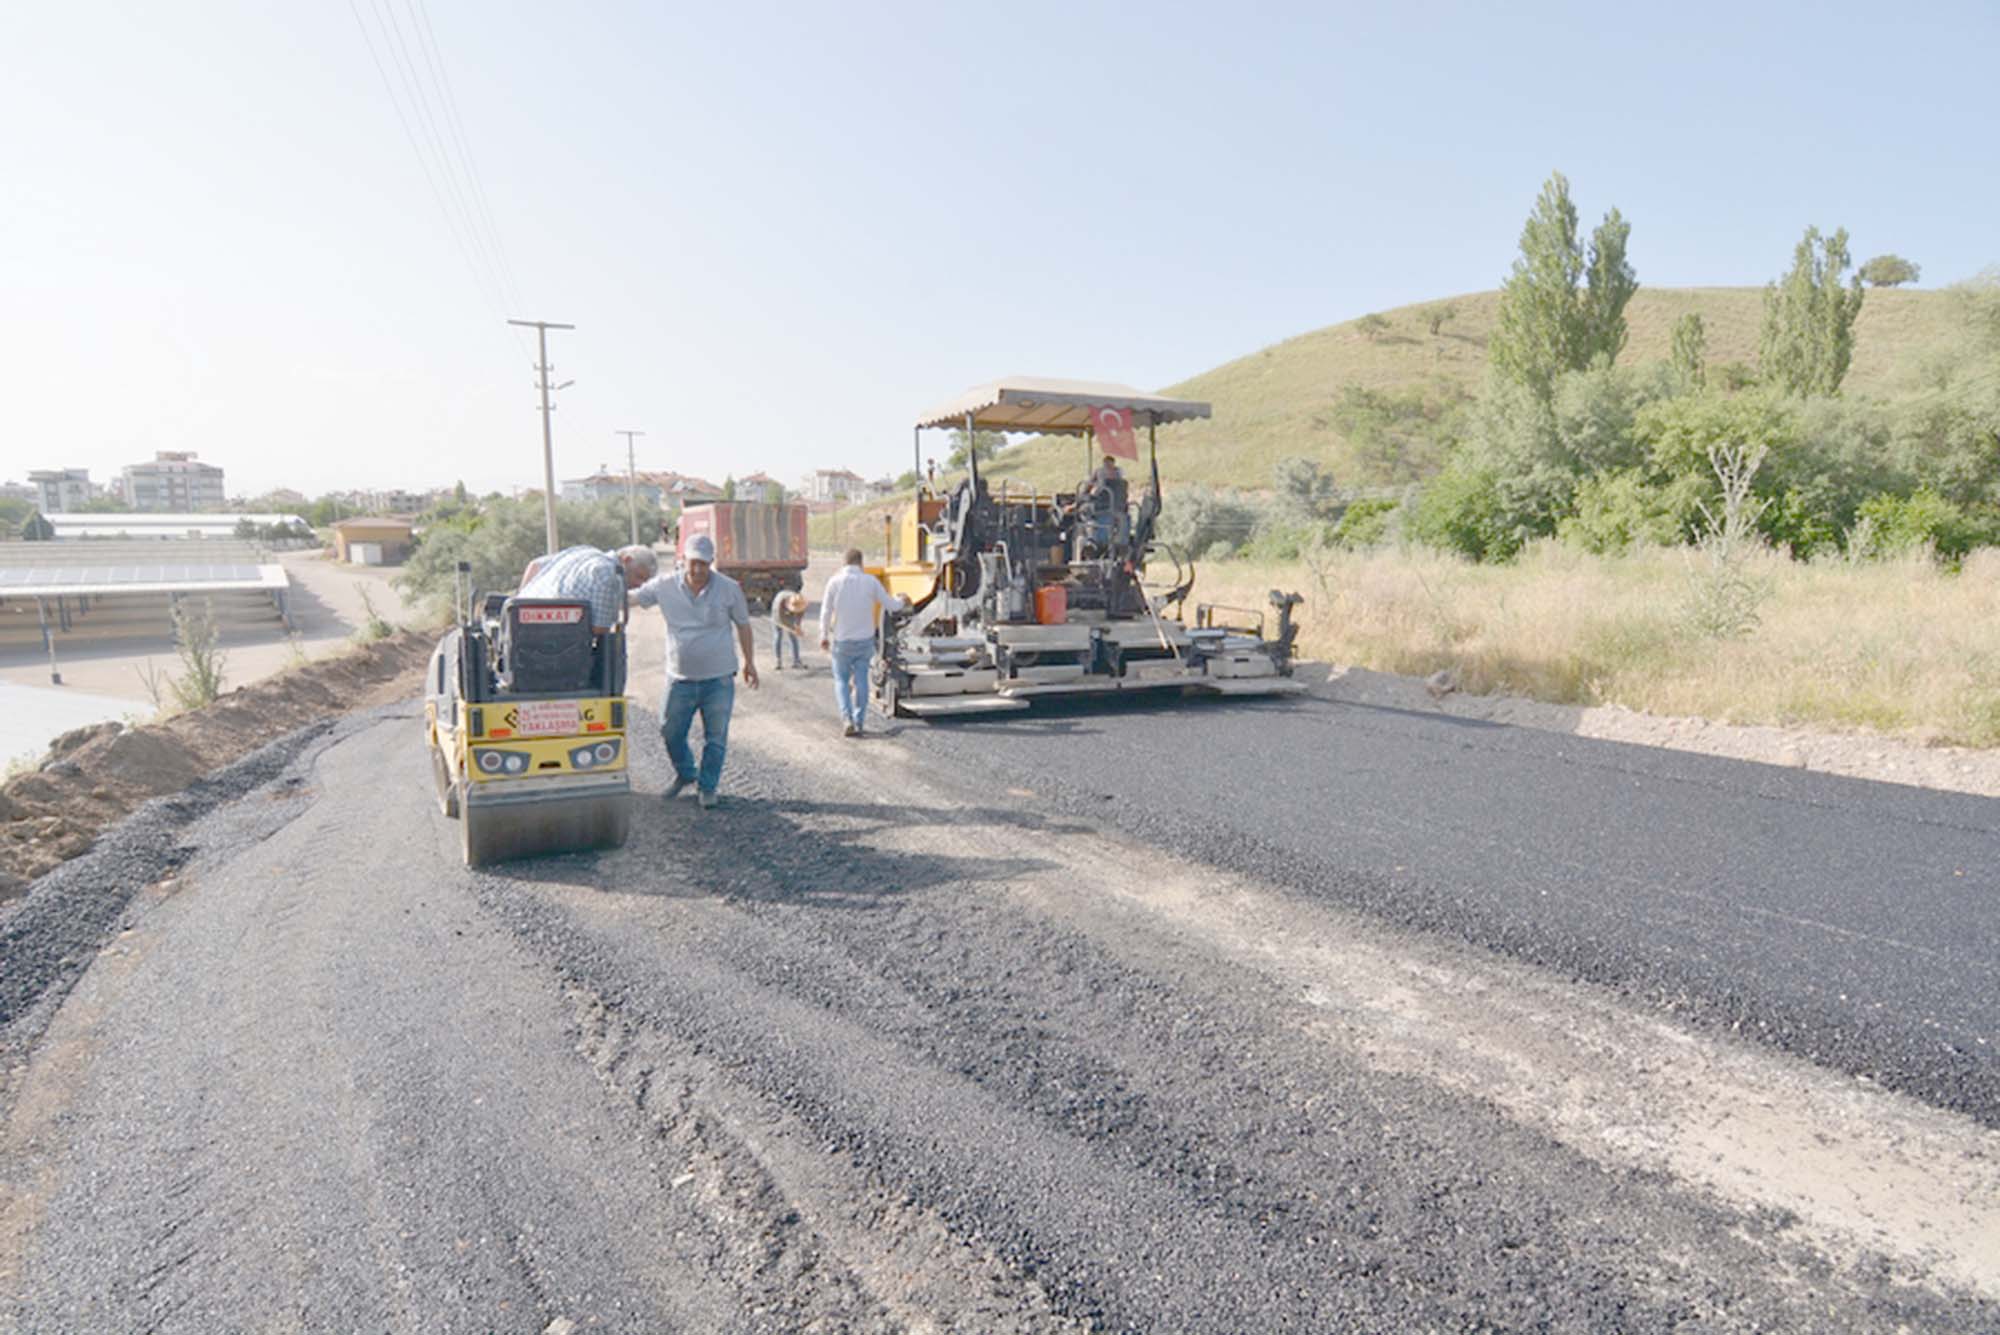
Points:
(1280, 401)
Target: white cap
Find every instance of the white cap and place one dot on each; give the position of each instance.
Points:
(700, 547)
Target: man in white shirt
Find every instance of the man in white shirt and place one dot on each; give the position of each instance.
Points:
(848, 610)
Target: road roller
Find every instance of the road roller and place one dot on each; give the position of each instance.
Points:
(524, 713)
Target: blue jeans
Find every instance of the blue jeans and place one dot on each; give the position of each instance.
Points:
(850, 678)
(714, 697)
(778, 637)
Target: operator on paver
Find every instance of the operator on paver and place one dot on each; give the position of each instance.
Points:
(702, 608)
(596, 577)
(1106, 499)
(847, 612)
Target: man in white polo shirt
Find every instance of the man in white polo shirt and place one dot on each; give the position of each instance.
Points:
(847, 614)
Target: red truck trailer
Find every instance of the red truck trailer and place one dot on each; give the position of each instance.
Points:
(762, 547)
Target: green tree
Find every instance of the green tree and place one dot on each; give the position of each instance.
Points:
(1438, 316)
(987, 443)
(1888, 271)
(1690, 356)
(1563, 306)
(500, 542)
(1808, 335)
(729, 488)
(458, 492)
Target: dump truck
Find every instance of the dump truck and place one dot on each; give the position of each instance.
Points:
(1010, 594)
(760, 546)
(524, 716)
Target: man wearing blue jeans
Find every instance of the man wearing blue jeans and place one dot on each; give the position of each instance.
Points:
(702, 608)
(848, 610)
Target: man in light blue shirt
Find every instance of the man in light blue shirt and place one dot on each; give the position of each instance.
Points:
(703, 609)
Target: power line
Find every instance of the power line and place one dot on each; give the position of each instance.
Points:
(420, 97)
(480, 281)
(457, 124)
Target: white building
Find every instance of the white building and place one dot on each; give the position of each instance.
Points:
(608, 486)
(836, 484)
(760, 487)
(175, 481)
(61, 489)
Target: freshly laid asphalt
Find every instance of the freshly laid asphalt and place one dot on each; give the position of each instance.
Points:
(1855, 924)
(819, 1062)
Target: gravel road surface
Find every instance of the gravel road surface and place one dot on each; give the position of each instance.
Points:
(1046, 1025)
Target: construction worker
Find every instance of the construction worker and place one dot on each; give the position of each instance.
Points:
(788, 623)
(1105, 503)
(847, 613)
(596, 577)
(702, 608)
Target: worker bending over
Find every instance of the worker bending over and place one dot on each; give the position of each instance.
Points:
(591, 576)
(847, 613)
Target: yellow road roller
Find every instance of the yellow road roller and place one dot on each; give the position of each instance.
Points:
(524, 713)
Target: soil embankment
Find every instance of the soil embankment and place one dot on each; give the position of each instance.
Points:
(95, 776)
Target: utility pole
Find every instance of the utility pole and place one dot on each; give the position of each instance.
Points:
(631, 482)
(541, 328)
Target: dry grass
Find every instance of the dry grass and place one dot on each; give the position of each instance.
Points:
(1279, 401)
(1898, 647)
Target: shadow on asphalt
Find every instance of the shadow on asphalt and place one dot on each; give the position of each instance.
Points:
(1420, 715)
(787, 850)
(1071, 717)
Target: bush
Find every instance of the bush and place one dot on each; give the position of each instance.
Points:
(1896, 525)
(1365, 524)
(1623, 510)
(1305, 490)
(1461, 511)
(1199, 519)
(1400, 435)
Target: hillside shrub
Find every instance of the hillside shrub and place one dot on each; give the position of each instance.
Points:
(1199, 520)
(1366, 523)
(1897, 525)
(1400, 435)
(1620, 511)
(1461, 510)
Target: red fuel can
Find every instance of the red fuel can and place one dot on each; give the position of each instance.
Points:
(1052, 604)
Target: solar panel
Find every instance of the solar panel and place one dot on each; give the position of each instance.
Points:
(109, 579)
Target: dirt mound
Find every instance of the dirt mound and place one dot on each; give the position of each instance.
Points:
(95, 776)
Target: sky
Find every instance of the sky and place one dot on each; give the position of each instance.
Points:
(288, 236)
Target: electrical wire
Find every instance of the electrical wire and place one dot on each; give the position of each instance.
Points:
(488, 291)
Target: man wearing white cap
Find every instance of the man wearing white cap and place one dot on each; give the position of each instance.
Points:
(702, 607)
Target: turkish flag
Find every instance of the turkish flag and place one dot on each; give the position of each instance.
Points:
(1114, 432)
